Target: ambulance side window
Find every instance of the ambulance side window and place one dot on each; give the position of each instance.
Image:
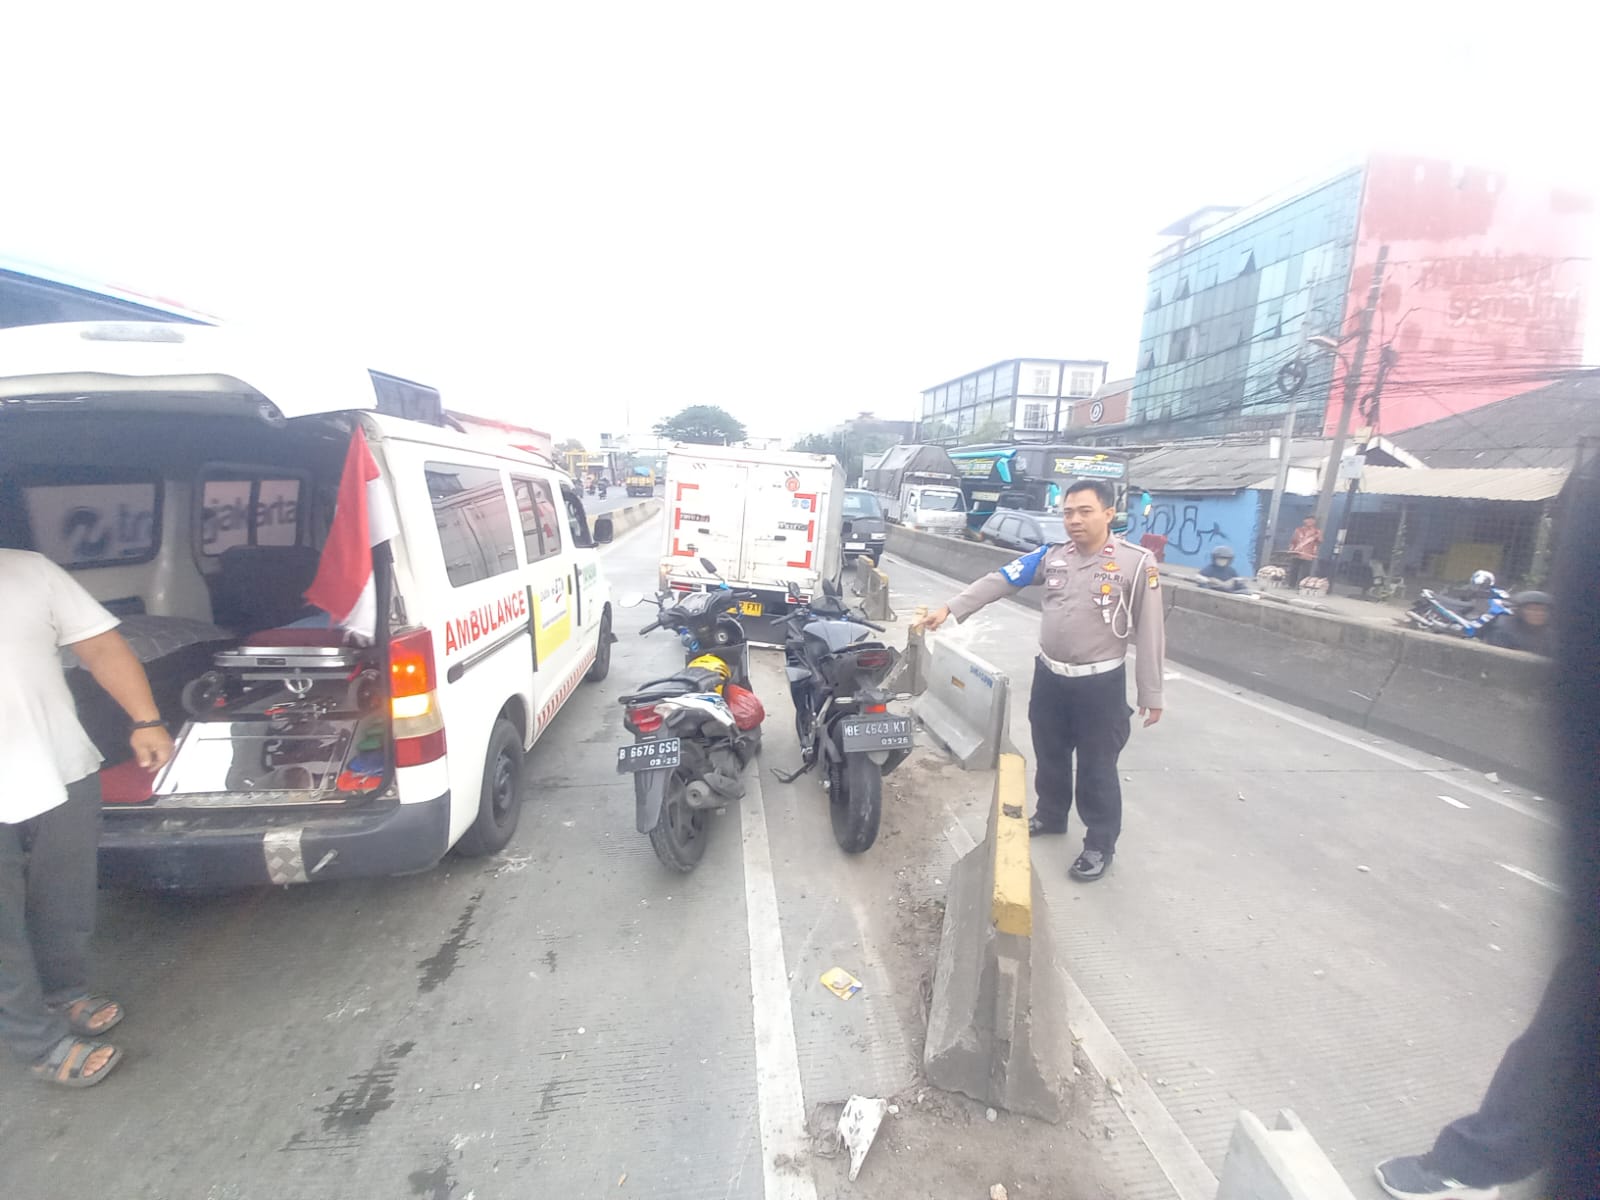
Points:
(577, 522)
(475, 530)
(541, 522)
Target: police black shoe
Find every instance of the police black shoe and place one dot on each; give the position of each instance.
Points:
(1037, 827)
(1089, 865)
(1411, 1178)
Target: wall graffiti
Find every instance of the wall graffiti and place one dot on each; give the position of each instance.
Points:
(1194, 525)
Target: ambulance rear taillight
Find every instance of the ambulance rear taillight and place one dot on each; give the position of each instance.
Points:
(413, 700)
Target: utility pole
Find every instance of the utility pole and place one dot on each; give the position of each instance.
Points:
(1352, 388)
(1286, 441)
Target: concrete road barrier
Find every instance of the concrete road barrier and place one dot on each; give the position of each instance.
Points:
(997, 1026)
(872, 585)
(965, 704)
(1488, 708)
(631, 516)
(1280, 1163)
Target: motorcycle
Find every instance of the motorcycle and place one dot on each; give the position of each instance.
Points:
(694, 731)
(600, 489)
(836, 676)
(1455, 615)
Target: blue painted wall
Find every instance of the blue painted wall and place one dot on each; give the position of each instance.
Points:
(1194, 524)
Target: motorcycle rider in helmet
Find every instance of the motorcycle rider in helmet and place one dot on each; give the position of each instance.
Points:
(1528, 627)
(1219, 572)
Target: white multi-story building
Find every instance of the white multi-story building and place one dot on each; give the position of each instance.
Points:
(1019, 400)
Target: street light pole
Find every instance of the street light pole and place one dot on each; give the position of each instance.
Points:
(1352, 388)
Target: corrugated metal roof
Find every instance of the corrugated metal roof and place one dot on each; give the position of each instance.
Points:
(1536, 429)
(1465, 483)
(1215, 466)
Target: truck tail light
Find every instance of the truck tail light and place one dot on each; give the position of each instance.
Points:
(413, 700)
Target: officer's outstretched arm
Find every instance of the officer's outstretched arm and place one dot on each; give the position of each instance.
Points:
(996, 585)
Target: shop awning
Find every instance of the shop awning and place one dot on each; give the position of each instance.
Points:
(1465, 483)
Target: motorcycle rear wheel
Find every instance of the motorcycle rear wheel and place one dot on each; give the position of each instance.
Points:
(679, 836)
(855, 802)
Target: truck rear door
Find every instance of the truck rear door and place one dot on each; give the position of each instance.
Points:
(783, 526)
(705, 517)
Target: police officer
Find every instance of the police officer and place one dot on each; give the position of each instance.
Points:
(1100, 592)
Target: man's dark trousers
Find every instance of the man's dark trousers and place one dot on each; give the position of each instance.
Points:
(1512, 1134)
(1087, 715)
(48, 880)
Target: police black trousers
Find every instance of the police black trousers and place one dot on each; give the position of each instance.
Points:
(1087, 716)
(48, 878)
(1513, 1133)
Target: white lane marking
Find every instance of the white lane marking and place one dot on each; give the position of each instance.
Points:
(1454, 781)
(1531, 877)
(1454, 801)
(779, 1099)
(1411, 764)
(1179, 1161)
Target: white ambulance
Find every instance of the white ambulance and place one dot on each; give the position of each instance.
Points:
(765, 519)
(191, 479)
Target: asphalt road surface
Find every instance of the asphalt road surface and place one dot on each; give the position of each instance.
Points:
(1296, 918)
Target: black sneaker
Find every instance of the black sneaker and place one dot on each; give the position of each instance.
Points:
(1090, 865)
(1038, 828)
(1411, 1178)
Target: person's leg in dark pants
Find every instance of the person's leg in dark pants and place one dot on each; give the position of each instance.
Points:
(1297, 571)
(1102, 718)
(63, 878)
(1053, 739)
(28, 1026)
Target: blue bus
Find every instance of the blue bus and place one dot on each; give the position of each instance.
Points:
(1034, 477)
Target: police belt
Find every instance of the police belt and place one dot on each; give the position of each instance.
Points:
(1074, 670)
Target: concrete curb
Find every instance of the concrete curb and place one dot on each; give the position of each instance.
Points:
(631, 516)
(872, 585)
(1280, 1163)
(1485, 707)
(995, 970)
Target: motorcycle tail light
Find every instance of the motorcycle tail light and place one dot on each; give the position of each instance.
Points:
(872, 659)
(645, 719)
(875, 708)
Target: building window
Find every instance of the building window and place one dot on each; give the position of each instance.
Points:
(1082, 383)
(1181, 340)
(1036, 416)
(1044, 382)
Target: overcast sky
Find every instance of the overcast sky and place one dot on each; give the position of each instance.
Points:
(577, 214)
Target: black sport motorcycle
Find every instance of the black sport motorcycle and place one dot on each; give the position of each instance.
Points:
(836, 675)
(693, 732)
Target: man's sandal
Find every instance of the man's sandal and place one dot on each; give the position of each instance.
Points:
(68, 1061)
(91, 1015)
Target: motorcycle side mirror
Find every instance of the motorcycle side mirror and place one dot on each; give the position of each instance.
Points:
(631, 599)
(709, 567)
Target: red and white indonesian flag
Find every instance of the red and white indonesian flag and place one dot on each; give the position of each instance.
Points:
(362, 519)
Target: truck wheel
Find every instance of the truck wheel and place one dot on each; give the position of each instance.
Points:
(500, 798)
(601, 667)
(855, 801)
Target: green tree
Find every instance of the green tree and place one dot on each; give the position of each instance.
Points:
(850, 449)
(992, 430)
(704, 424)
(570, 446)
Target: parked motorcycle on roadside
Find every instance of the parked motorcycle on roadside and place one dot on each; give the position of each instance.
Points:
(1447, 614)
(694, 731)
(836, 673)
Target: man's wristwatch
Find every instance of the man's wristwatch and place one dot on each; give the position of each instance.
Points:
(156, 724)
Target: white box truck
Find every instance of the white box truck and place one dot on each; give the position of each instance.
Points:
(766, 518)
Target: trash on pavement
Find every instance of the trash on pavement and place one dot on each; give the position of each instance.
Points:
(1364, 868)
(991, 1114)
(1492, 777)
(841, 983)
(858, 1125)
(998, 1192)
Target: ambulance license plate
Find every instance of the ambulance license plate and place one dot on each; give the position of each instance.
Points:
(648, 756)
(875, 733)
(749, 608)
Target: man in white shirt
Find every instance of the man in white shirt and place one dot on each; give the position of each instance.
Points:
(50, 815)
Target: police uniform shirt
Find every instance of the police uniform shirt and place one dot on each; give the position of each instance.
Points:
(1093, 605)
